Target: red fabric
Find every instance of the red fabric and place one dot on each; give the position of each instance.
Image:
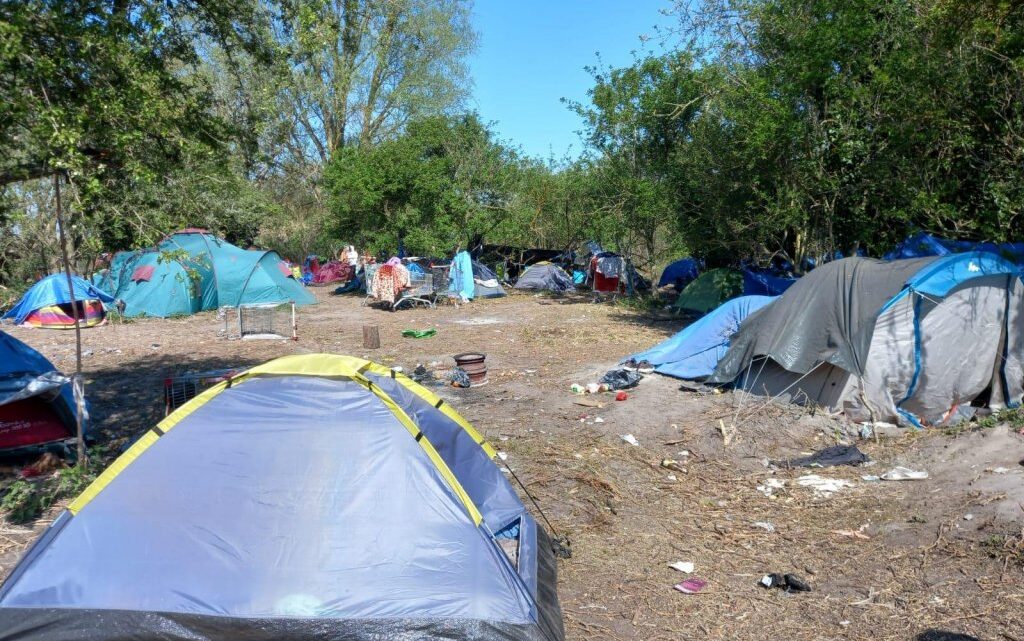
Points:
(29, 422)
(143, 273)
(601, 283)
(333, 272)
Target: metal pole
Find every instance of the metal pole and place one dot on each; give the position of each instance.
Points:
(76, 381)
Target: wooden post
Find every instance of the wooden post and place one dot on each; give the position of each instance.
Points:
(371, 337)
(76, 381)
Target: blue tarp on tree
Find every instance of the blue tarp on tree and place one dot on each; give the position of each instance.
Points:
(923, 244)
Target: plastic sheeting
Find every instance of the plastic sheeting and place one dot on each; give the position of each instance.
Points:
(25, 373)
(53, 290)
(758, 282)
(923, 244)
(284, 507)
(694, 352)
(460, 276)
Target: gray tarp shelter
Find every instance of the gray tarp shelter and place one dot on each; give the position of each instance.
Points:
(913, 341)
(316, 497)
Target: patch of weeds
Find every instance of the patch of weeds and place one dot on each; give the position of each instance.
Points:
(1013, 417)
(1008, 548)
(644, 304)
(917, 518)
(27, 499)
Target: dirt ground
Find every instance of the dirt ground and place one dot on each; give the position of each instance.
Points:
(885, 559)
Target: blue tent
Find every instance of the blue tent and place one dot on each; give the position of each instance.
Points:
(53, 290)
(313, 497)
(680, 273)
(761, 282)
(192, 271)
(37, 405)
(923, 244)
(695, 351)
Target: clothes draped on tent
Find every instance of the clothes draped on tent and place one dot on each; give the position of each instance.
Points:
(48, 303)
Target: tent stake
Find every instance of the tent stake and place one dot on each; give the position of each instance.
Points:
(76, 382)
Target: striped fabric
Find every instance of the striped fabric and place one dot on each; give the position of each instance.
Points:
(60, 316)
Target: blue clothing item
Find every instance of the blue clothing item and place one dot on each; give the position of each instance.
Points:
(460, 276)
(695, 351)
(53, 290)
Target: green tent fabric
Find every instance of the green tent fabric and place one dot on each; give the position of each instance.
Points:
(709, 290)
(192, 271)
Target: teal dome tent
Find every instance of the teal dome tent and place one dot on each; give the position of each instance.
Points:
(192, 270)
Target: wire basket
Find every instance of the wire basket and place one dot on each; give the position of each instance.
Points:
(181, 389)
(440, 274)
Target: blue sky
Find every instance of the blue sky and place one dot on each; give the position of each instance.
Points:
(532, 54)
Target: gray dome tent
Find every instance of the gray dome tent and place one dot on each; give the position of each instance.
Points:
(909, 341)
(546, 277)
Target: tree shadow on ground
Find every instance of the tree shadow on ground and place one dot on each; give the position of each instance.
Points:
(127, 399)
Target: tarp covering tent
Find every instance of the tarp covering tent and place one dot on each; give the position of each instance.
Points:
(192, 271)
(48, 304)
(910, 341)
(923, 244)
(37, 405)
(694, 352)
(680, 273)
(709, 290)
(313, 497)
(485, 282)
(545, 277)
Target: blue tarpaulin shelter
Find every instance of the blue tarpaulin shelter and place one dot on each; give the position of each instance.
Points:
(680, 273)
(924, 244)
(53, 290)
(193, 270)
(313, 497)
(37, 404)
(694, 352)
